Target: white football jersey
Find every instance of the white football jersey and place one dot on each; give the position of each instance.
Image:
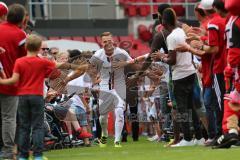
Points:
(111, 78)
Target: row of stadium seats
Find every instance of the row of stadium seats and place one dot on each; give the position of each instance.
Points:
(145, 10)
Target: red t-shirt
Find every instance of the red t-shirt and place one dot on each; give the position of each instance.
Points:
(206, 60)
(32, 71)
(12, 39)
(216, 30)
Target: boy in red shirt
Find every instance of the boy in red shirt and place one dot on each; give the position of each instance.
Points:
(29, 73)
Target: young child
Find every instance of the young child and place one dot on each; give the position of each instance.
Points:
(29, 73)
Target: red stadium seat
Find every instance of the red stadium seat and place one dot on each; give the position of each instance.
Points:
(90, 39)
(116, 39)
(131, 11)
(143, 10)
(126, 38)
(122, 2)
(180, 10)
(78, 38)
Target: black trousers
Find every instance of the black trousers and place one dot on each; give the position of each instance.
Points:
(133, 117)
(219, 88)
(183, 92)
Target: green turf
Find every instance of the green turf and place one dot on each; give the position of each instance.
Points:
(143, 150)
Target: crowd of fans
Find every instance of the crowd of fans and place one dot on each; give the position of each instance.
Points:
(186, 89)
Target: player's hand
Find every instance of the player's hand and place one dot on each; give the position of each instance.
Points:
(92, 70)
(119, 64)
(2, 50)
(50, 108)
(186, 28)
(156, 55)
(192, 36)
(132, 81)
(51, 94)
(182, 47)
(60, 87)
(199, 31)
(154, 76)
(196, 44)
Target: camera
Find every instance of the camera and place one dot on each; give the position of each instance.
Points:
(154, 16)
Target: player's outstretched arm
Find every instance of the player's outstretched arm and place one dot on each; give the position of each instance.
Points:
(72, 66)
(10, 81)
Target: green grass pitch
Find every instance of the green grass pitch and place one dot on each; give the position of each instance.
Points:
(143, 150)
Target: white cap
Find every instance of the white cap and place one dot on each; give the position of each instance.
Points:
(206, 4)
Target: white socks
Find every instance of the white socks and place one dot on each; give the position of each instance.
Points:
(119, 122)
(103, 119)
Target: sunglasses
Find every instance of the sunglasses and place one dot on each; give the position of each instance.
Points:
(45, 49)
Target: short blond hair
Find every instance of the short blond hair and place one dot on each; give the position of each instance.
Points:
(33, 43)
(106, 34)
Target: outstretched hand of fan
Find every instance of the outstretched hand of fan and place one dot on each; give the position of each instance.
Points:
(59, 82)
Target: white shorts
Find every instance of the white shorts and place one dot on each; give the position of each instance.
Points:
(109, 100)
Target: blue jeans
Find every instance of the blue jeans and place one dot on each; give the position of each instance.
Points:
(31, 118)
(210, 104)
(81, 115)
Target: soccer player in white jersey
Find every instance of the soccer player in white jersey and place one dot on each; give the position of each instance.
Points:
(112, 93)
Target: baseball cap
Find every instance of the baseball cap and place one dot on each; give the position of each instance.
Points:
(3, 9)
(206, 4)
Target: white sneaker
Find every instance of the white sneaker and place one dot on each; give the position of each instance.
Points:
(183, 143)
(200, 142)
(154, 138)
(208, 142)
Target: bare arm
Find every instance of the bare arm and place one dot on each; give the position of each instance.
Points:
(210, 49)
(10, 81)
(187, 48)
(71, 66)
(171, 58)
